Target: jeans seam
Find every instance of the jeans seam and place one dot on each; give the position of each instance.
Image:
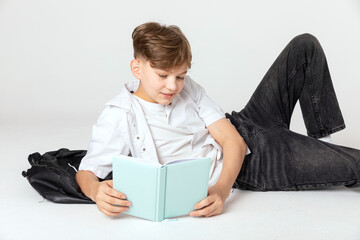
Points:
(335, 129)
(296, 186)
(313, 102)
(326, 183)
(332, 130)
(257, 186)
(293, 73)
(262, 130)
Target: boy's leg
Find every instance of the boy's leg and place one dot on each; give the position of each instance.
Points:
(285, 160)
(299, 72)
(282, 159)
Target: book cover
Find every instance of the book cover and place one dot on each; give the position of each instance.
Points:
(160, 191)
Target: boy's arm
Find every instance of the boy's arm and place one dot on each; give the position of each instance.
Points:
(107, 141)
(87, 182)
(102, 193)
(234, 149)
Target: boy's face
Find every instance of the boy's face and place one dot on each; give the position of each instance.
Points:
(158, 85)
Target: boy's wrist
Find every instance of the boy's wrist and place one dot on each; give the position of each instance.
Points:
(224, 189)
(93, 188)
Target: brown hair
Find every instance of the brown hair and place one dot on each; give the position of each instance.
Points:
(163, 46)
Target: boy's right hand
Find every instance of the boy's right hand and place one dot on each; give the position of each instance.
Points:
(106, 197)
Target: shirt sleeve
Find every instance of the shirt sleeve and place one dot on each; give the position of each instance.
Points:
(106, 142)
(208, 110)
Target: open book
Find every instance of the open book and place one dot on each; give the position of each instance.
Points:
(160, 191)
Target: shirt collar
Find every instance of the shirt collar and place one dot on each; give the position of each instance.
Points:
(123, 99)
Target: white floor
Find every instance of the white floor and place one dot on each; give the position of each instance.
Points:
(326, 214)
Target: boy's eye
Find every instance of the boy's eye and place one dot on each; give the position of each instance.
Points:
(165, 76)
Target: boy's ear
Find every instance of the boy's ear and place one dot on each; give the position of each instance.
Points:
(135, 68)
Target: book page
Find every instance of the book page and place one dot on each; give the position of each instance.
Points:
(141, 160)
(139, 182)
(181, 160)
(156, 163)
(186, 185)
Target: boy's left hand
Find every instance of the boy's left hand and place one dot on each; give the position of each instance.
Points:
(213, 204)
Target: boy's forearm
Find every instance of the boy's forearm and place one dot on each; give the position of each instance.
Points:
(86, 181)
(233, 158)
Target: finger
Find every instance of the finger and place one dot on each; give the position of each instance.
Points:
(217, 209)
(107, 213)
(211, 213)
(205, 202)
(110, 183)
(204, 211)
(114, 193)
(115, 201)
(113, 209)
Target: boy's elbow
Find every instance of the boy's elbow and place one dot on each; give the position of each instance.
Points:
(242, 144)
(238, 142)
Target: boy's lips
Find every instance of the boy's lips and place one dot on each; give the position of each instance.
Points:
(168, 95)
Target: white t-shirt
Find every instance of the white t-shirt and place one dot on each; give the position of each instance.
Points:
(176, 142)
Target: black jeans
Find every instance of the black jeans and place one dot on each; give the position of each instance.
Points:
(281, 159)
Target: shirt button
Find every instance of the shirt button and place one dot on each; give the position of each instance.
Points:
(137, 138)
(144, 149)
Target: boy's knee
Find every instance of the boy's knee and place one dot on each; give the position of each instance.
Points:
(305, 37)
(305, 40)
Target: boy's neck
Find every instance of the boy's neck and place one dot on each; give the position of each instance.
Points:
(139, 93)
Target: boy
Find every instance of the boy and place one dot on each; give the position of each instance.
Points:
(164, 115)
(169, 116)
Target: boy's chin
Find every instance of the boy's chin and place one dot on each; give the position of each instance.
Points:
(164, 102)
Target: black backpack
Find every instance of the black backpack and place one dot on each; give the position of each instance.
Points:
(52, 175)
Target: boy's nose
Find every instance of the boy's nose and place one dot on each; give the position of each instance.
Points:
(171, 84)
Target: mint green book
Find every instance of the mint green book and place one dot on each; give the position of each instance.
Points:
(158, 192)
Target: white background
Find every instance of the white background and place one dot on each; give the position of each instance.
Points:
(60, 61)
